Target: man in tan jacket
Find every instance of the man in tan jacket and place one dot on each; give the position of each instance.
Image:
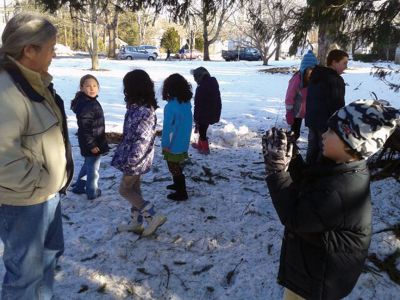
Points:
(35, 159)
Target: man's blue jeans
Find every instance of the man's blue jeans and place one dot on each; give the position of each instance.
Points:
(90, 169)
(33, 240)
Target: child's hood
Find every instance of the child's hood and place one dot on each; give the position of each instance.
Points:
(80, 100)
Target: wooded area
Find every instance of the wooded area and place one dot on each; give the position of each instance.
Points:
(97, 25)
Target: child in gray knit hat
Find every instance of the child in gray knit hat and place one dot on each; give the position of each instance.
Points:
(326, 208)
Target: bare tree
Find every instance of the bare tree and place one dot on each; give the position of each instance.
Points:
(112, 14)
(264, 25)
(213, 14)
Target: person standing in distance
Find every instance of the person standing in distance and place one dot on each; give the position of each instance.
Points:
(35, 159)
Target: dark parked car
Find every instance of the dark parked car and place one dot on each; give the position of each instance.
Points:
(250, 54)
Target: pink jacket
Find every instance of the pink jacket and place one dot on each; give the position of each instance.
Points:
(295, 99)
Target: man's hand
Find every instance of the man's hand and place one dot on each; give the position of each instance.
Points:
(277, 151)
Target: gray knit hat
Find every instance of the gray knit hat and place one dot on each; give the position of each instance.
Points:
(199, 73)
(365, 125)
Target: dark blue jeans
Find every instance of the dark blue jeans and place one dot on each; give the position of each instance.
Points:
(33, 240)
(90, 169)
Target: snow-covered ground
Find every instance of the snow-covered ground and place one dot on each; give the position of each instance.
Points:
(224, 242)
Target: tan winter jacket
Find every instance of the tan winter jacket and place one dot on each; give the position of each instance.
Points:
(32, 150)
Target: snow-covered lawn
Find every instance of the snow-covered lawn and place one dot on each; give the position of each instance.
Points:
(224, 242)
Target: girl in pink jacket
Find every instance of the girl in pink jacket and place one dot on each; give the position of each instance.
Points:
(296, 93)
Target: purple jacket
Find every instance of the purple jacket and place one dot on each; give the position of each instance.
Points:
(134, 155)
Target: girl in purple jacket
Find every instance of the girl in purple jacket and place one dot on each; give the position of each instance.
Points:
(134, 155)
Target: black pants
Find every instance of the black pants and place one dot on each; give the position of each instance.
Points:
(175, 168)
(203, 131)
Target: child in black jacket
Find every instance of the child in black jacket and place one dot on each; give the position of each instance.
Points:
(326, 208)
(91, 136)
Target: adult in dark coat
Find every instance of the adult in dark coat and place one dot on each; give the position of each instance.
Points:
(326, 91)
(207, 106)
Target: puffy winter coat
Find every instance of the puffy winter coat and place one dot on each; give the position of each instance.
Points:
(295, 99)
(35, 153)
(326, 90)
(91, 128)
(327, 219)
(177, 126)
(207, 102)
(134, 155)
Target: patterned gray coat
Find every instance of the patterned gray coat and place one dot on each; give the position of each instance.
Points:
(134, 155)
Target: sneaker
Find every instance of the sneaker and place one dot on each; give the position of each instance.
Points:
(135, 225)
(153, 223)
(131, 227)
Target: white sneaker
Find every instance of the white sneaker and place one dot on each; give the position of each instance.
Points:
(131, 227)
(153, 223)
(135, 225)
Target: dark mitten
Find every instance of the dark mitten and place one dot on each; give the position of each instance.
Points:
(277, 151)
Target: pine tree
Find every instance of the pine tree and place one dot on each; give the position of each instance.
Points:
(170, 40)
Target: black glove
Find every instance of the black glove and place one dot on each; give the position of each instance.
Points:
(277, 151)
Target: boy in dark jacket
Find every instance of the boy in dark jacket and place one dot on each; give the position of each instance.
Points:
(326, 208)
(326, 91)
(91, 136)
(207, 106)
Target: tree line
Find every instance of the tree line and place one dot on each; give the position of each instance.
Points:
(96, 25)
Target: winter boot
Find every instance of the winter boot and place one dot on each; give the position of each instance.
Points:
(196, 145)
(181, 193)
(135, 225)
(172, 186)
(96, 195)
(204, 147)
(152, 219)
(79, 187)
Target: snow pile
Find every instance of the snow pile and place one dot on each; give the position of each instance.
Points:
(62, 50)
(231, 136)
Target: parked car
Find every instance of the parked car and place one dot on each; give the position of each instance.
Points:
(152, 49)
(248, 53)
(131, 52)
(195, 54)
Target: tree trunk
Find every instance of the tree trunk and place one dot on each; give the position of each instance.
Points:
(94, 36)
(397, 55)
(324, 42)
(65, 36)
(206, 56)
(112, 35)
(278, 48)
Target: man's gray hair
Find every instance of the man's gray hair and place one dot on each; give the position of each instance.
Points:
(22, 30)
